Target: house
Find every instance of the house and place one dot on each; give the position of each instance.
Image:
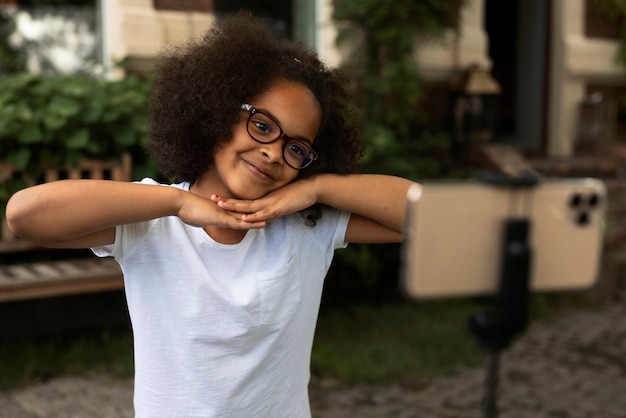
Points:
(549, 57)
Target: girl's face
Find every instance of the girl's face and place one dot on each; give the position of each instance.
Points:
(247, 169)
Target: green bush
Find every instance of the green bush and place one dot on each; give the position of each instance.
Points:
(399, 139)
(383, 35)
(55, 121)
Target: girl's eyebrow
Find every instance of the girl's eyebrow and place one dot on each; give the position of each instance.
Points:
(275, 119)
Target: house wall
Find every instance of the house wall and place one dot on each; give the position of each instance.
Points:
(134, 28)
(576, 61)
(443, 59)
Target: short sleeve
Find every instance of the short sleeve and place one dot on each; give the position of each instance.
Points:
(339, 239)
(125, 234)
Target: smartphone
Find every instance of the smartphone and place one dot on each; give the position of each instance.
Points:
(454, 233)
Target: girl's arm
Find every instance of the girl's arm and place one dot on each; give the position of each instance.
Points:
(377, 203)
(84, 213)
(373, 198)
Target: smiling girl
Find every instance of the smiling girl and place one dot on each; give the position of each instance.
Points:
(224, 269)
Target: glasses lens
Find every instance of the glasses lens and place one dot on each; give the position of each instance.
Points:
(262, 128)
(297, 154)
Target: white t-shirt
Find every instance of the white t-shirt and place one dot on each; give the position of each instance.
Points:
(224, 330)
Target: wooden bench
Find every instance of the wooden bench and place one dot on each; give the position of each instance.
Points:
(41, 279)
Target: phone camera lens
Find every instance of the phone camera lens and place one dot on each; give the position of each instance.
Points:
(593, 200)
(575, 200)
(582, 219)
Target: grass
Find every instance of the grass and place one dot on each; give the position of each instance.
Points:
(376, 344)
(411, 342)
(27, 362)
(394, 342)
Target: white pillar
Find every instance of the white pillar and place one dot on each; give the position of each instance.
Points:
(326, 34)
(113, 47)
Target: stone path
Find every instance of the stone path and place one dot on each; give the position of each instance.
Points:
(570, 366)
(70, 397)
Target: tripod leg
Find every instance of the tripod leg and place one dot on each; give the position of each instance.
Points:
(490, 403)
(508, 316)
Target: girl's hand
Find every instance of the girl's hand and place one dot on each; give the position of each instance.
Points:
(288, 199)
(200, 212)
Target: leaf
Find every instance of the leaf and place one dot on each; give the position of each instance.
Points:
(24, 113)
(91, 114)
(30, 134)
(78, 139)
(54, 121)
(64, 106)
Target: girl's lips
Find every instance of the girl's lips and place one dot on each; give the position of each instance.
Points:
(258, 172)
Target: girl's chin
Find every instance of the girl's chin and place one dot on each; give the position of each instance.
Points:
(249, 194)
(251, 190)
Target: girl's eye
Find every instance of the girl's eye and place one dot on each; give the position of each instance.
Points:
(296, 149)
(262, 127)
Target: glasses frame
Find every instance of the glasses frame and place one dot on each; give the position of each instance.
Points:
(310, 157)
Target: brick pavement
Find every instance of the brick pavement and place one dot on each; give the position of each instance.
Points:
(569, 366)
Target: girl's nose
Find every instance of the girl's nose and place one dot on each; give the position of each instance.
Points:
(273, 151)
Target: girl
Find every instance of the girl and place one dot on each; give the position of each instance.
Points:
(224, 269)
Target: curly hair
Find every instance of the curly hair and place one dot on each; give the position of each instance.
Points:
(199, 87)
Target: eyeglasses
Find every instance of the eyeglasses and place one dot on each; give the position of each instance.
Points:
(264, 129)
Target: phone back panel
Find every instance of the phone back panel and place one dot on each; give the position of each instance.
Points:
(454, 236)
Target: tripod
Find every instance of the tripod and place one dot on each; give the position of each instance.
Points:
(507, 315)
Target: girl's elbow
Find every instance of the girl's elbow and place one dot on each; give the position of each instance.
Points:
(17, 214)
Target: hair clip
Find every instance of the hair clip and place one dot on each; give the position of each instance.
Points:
(297, 60)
